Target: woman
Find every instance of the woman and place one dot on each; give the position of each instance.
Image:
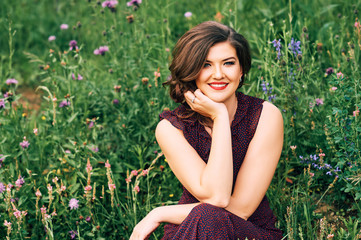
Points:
(222, 145)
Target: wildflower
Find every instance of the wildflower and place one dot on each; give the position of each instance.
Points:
(128, 179)
(357, 24)
(293, 148)
(333, 88)
(109, 4)
(88, 219)
(116, 101)
(278, 46)
(130, 18)
(136, 189)
(73, 234)
(111, 186)
(80, 77)
(19, 183)
(50, 188)
(91, 124)
(43, 209)
(73, 45)
(107, 165)
(24, 144)
(145, 172)
(17, 214)
(319, 101)
(321, 155)
(134, 172)
(329, 71)
(51, 38)
(95, 149)
(156, 74)
(330, 236)
(2, 187)
(55, 179)
(356, 112)
(64, 103)
(188, 14)
(101, 50)
(7, 224)
(268, 90)
(339, 75)
(312, 174)
(294, 46)
(11, 81)
(117, 88)
(38, 193)
(35, 131)
(2, 103)
(64, 26)
(73, 203)
(88, 188)
(134, 3)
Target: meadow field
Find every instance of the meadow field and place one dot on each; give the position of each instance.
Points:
(81, 91)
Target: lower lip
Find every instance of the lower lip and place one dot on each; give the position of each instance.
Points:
(218, 88)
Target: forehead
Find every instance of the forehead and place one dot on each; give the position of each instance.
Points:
(220, 51)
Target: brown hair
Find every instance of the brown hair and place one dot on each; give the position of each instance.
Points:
(190, 53)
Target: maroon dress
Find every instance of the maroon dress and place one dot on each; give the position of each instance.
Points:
(206, 221)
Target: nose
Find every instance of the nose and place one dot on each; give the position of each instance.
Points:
(217, 72)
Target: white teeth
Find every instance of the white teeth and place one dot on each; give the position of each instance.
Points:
(218, 85)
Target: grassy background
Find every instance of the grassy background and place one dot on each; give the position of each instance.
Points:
(115, 108)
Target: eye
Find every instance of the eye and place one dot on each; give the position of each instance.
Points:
(206, 65)
(230, 63)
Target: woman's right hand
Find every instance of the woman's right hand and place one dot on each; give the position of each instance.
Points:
(204, 105)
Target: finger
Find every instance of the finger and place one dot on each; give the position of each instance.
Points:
(189, 97)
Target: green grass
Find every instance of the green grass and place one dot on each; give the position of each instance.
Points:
(308, 199)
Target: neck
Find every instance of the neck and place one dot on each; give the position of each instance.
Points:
(231, 105)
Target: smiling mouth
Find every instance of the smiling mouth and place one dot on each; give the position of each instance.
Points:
(218, 86)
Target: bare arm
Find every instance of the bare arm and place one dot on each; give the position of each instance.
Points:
(259, 165)
(211, 182)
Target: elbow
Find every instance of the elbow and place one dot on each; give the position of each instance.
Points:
(221, 202)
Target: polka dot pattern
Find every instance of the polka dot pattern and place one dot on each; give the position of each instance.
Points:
(206, 221)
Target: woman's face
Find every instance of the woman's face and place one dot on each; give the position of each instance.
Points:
(219, 78)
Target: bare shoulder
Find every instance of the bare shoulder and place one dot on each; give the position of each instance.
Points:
(165, 128)
(271, 115)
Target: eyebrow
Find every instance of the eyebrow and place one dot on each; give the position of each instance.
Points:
(224, 60)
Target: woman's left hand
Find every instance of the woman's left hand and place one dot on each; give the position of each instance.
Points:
(145, 227)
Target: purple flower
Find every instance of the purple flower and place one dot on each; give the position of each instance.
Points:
(95, 149)
(73, 234)
(88, 219)
(2, 103)
(101, 50)
(268, 91)
(109, 4)
(2, 187)
(91, 124)
(19, 183)
(73, 45)
(294, 46)
(64, 26)
(64, 103)
(51, 38)
(188, 14)
(24, 144)
(278, 46)
(115, 101)
(329, 71)
(319, 101)
(73, 203)
(80, 77)
(11, 81)
(134, 3)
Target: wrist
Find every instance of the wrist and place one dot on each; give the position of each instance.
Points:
(156, 214)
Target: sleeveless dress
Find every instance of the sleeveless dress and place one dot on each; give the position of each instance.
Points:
(206, 221)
